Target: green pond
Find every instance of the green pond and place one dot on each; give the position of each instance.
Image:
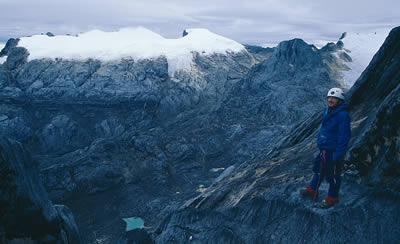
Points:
(133, 223)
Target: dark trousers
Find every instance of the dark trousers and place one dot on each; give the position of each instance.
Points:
(326, 168)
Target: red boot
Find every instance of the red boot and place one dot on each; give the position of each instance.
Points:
(329, 202)
(308, 192)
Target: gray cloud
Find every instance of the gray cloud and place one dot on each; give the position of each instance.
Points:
(253, 22)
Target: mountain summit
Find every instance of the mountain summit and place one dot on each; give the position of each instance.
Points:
(137, 43)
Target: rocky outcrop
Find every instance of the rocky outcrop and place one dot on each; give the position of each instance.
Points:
(26, 211)
(259, 201)
(11, 43)
(17, 57)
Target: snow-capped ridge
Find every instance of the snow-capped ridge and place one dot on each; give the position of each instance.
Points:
(2, 59)
(361, 47)
(138, 43)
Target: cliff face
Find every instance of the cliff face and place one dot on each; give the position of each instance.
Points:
(258, 202)
(375, 98)
(26, 211)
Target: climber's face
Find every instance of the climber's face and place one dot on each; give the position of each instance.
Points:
(334, 102)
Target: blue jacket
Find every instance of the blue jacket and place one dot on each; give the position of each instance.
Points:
(335, 131)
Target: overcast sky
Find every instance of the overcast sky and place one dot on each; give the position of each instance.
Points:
(248, 22)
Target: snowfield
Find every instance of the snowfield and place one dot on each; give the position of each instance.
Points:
(2, 59)
(138, 43)
(361, 47)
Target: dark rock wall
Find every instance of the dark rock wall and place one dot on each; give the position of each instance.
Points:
(376, 111)
(26, 211)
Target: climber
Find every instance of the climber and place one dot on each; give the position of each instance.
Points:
(332, 142)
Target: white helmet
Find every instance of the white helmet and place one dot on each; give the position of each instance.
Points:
(336, 92)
